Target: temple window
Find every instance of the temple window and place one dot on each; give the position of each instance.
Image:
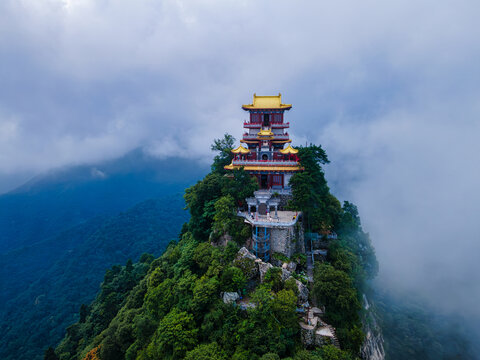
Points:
(266, 120)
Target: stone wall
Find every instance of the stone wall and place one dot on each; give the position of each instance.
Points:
(287, 240)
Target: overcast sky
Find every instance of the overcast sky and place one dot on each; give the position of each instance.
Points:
(389, 88)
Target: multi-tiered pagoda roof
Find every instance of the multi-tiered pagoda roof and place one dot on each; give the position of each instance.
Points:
(265, 155)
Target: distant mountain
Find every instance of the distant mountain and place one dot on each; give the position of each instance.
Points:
(59, 199)
(44, 285)
(60, 231)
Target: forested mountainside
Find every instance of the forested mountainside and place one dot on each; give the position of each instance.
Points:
(176, 310)
(412, 330)
(62, 198)
(45, 284)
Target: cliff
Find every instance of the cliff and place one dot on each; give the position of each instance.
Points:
(207, 296)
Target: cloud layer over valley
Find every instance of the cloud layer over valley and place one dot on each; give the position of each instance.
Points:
(390, 89)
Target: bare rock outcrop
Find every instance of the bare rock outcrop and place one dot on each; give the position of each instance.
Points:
(263, 267)
(230, 297)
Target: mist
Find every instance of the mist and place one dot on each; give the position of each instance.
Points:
(390, 90)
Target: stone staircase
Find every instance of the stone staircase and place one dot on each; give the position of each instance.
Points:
(334, 338)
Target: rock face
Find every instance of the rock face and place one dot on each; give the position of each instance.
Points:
(229, 297)
(372, 347)
(245, 260)
(285, 274)
(302, 291)
(291, 266)
(287, 240)
(244, 253)
(263, 268)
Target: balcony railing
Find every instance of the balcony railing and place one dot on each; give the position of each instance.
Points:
(280, 125)
(247, 136)
(277, 125)
(264, 163)
(252, 125)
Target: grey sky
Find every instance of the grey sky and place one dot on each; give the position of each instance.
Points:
(390, 89)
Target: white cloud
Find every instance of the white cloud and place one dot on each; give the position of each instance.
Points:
(390, 88)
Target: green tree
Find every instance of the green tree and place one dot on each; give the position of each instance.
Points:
(291, 284)
(330, 352)
(225, 216)
(50, 354)
(233, 279)
(357, 241)
(224, 157)
(284, 307)
(205, 293)
(160, 299)
(311, 193)
(240, 185)
(270, 356)
(273, 277)
(335, 289)
(175, 335)
(206, 352)
(83, 313)
(200, 201)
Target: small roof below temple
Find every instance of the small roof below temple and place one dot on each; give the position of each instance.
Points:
(289, 150)
(240, 150)
(267, 102)
(265, 133)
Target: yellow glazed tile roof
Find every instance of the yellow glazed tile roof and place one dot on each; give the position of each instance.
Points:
(267, 102)
(289, 150)
(266, 132)
(240, 150)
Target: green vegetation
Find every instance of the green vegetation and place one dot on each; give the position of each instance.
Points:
(412, 332)
(311, 193)
(351, 260)
(175, 310)
(213, 201)
(37, 315)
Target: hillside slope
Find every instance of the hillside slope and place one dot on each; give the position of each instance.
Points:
(55, 201)
(38, 313)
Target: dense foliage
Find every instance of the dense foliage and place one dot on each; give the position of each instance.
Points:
(176, 310)
(311, 193)
(351, 261)
(213, 201)
(411, 331)
(38, 314)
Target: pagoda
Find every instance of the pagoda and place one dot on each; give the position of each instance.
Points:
(266, 153)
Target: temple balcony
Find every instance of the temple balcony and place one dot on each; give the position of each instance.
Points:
(280, 125)
(250, 125)
(250, 136)
(283, 219)
(265, 162)
(273, 125)
(247, 136)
